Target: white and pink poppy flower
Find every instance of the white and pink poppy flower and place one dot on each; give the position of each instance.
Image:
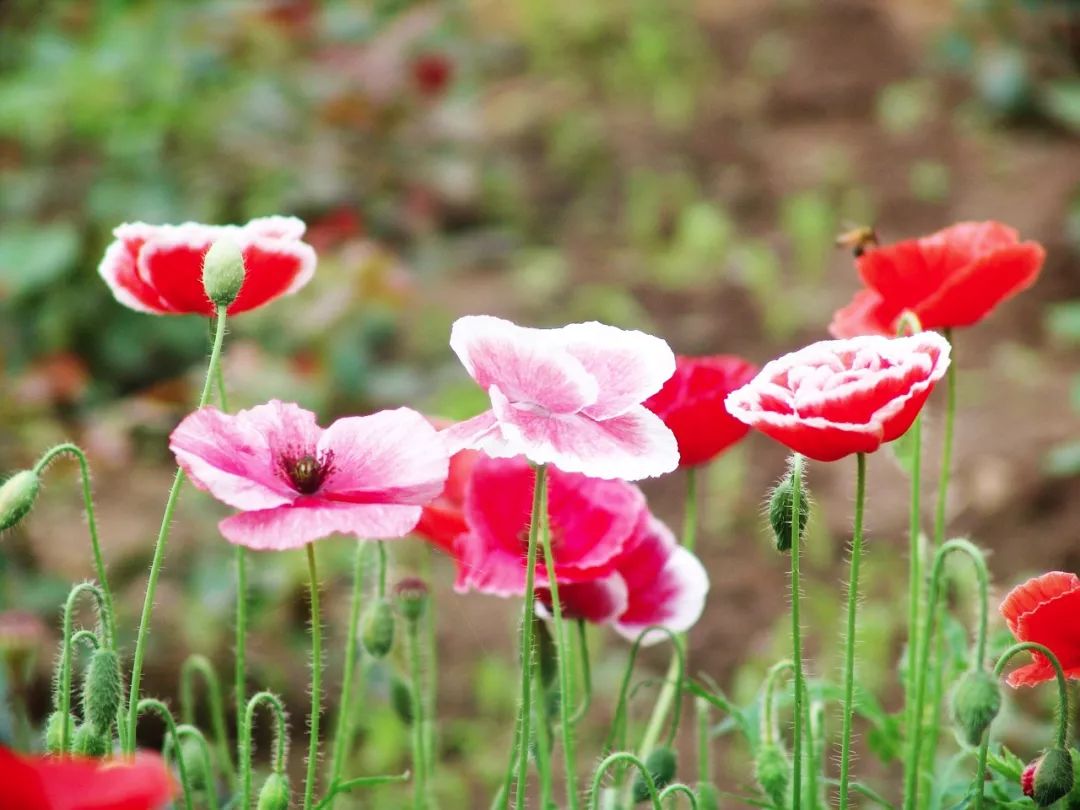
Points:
(294, 482)
(571, 396)
(158, 268)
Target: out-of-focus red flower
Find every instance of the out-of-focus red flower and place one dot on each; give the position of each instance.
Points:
(691, 403)
(1044, 610)
(443, 519)
(50, 783)
(336, 226)
(432, 73)
(838, 397)
(158, 268)
(951, 278)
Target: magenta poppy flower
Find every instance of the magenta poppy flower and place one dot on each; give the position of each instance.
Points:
(838, 397)
(614, 561)
(368, 476)
(158, 268)
(569, 397)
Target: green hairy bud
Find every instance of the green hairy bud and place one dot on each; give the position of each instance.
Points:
(54, 730)
(17, 496)
(1049, 778)
(191, 751)
(377, 633)
(102, 689)
(89, 742)
(780, 511)
(411, 595)
(275, 793)
(976, 700)
(223, 272)
(773, 772)
(401, 699)
(661, 765)
(708, 796)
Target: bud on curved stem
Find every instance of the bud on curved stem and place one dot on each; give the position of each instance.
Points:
(200, 665)
(17, 496)
(64, 703)
(281, 740)
(103, 690)
(623, 758)
(223, 272)
(191, 742)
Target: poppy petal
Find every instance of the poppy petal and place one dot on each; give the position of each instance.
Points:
(291, 527)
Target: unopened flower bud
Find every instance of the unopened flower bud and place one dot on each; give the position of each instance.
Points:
(401, 699)
(708, 796)
(377, 633)
(17, 496)
(89, 742)
(780, 511)
(54, 729)
(275, 793)
(773, 772)
(102, 689)
(1048, 778)
(976, 701)
(411, 595)
(223, 272)
(661, 764)
(191, 752)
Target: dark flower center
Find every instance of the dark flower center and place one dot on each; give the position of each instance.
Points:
(306, 473)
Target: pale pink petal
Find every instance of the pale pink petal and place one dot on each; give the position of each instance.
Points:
(479, 433)
(629, 366)
(633, 446)
(229, 457)
(388, 457)
(288, 428)
(289, 527)
(600, 601)
(527, 365)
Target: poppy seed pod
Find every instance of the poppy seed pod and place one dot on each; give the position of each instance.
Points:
(89, 742)
(223, 272)
(411, 596)
(1048, 778)
(377, 633)
(773, 772)
(17, 496)
(661, 764)
(976, 701)
(54, 732)
(102, 689)
(780, 510)
(274, 794)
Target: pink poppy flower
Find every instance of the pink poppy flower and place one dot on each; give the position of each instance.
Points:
(614, 561)
(443, 518)
(367, 476)
(838, 397)
(158, 268)
(569, 397)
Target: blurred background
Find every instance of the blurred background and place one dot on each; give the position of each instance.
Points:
(681, 167)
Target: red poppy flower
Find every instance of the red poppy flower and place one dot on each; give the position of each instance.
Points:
(432, 73)
(839, 397)
(1044, 610)
(954, 277)
(691, 403)
(50, 783)
(443, 519)
(158, 268)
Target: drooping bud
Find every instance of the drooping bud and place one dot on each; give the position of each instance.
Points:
(89, 742)
(780, 510)
(102, 689)
(708, 796)
(976, 701)
(377, 633)
(411, 596)
(223, 272)
(661, 764)
(54, 730)
(275, 793)
(773, 772)
(17, 496)
(191, 752)
(1049, 777)
(401, 699)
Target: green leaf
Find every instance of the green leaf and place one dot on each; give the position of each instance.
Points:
(33, 256)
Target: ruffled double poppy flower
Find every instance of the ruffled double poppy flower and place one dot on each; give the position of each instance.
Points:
(52, 783)
(569, 397)
(951, 278)
(838, 397)
(295, 482)
(158, 268)
(614, 561)
(691, 403)
(1044, 610)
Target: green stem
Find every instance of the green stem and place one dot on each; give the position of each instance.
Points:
(526, 653)
(65, 659)
(586, 673)
(704, 757)
(431, 681)
(416, 668)
(678, 788)
(281, 738)
(768, 708)
(915, 583)
(619, 758)
(1063, 709)
(383, 568)
(922, 665)
(617, 735)
(206, 761)
(159, 708)
(200, 664)
(360, 782)
(796, 631)
(815, 754)
(159, 550)
(562, 653)
(849, 639)
(240, 675)
(542, 719)
(316, 680)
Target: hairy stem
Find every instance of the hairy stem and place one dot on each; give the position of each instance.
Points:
(849, 637)
(316, 680)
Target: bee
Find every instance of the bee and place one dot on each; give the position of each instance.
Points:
(858, 239)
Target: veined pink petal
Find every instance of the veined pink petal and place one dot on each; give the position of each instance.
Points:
(629, 366)
(288, 428)
(388, 457)
(229, 457)
(479, 433)
(294, 526)
(500, 573)
(673, 597)
(527, 365)
(633, 446)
